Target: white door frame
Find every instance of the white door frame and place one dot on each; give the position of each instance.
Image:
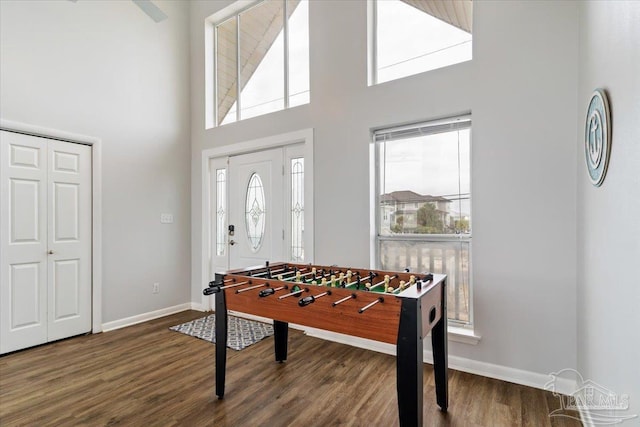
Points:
(304, 136)
(96, 203)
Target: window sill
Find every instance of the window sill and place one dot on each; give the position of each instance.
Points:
(463, 335)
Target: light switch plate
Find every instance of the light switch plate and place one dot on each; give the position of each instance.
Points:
(166, 218)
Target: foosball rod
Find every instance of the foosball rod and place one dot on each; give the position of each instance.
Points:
(403, 285)
(322, 275)
(340, 301)
(313, 271)
(332, 280)
(233, 285)
(270, 291)
(251, 287)
(290, 294)
(312, 298)
(395, 276)
(289, 273)
(359, 280)
(268, 272)
(371, 304)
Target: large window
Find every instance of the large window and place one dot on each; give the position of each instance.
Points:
(424, 204)
(413, 36)
(267, 54)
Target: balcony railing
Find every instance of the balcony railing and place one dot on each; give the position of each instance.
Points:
(432, 255)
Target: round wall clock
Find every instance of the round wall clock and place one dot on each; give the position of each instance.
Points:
(597, 137)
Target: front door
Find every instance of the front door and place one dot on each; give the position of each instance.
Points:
(256, 208)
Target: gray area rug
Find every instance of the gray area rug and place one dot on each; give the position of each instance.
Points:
(241, 333)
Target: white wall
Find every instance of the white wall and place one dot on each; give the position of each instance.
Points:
(521, 88)
(105, 69)
(609, 216)
(523, 183)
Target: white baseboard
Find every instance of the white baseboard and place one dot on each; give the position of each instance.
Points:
(513, 375)
(133, 320)
(197, 307)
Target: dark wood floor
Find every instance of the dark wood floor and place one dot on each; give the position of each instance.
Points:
(148, 375)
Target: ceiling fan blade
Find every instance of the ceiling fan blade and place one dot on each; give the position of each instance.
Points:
(151, 9)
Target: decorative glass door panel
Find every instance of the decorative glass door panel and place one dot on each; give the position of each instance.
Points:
(255, 213)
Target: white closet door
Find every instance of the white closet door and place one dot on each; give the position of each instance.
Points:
(23, 236)
(45, 240)
(69, 242)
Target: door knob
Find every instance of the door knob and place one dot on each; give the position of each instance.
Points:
(232, 242)
(50, 252)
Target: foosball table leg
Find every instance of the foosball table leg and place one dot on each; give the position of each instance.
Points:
(409, 364)
(280, 335)
(221, 342)
(440, 363)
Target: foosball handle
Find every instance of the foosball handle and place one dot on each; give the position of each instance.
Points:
(427, 278)
(306, 301)
(270, 291)
(212, 289)
(266, 292)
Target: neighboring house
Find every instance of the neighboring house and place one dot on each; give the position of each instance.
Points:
(400, 210)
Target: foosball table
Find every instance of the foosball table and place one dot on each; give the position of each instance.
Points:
(393, 307)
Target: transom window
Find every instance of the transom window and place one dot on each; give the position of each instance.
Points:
(267, 54)
(424, 204)
(413, 36)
